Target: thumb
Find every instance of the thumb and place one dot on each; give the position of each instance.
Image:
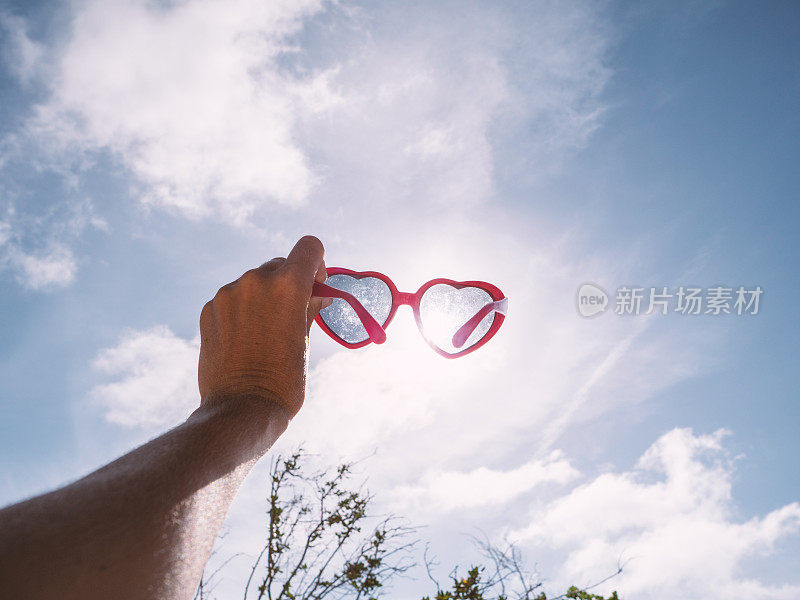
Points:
(305, 260)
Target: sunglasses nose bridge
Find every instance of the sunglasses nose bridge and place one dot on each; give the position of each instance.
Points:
(405, 298)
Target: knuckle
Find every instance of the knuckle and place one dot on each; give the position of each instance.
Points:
(221, 296)
(272, 264)
(205, 314)
(251, 279)
(219, 304)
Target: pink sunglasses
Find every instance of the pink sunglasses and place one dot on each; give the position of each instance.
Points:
(454, 317)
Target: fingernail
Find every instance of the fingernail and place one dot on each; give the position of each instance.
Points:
(321, 276)
(326, 302)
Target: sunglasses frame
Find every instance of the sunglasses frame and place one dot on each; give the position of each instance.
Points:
(412, 299)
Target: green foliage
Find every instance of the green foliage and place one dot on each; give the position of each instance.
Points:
(466, 588)
(320, 540)
(574, 592)
(501, 586)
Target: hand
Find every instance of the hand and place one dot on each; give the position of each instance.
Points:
(254, 333)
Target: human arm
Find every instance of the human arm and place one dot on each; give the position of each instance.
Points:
(143, 526)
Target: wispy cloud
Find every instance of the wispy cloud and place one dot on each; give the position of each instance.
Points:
(37, 248)
(452, 490)
(22, 54)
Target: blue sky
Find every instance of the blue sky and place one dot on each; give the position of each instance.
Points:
(150, 152)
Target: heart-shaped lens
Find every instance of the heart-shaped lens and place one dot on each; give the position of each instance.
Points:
(373, 293)
(444, 309)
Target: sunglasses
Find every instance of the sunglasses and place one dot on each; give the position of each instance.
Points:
(454, 317)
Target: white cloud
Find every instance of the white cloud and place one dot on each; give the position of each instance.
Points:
(452, 490)
(674, 517)
(189, 96)
(154, 379)
(54, 267)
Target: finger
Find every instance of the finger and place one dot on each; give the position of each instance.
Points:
(306, 258)
(322, 273)
(314, 306)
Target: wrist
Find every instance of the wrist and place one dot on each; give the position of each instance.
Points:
(252, 422)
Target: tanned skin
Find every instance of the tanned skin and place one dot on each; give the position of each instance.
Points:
(143, 526)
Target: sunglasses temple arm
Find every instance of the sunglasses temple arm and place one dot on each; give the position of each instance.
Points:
(374, 329)
(462, 335)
